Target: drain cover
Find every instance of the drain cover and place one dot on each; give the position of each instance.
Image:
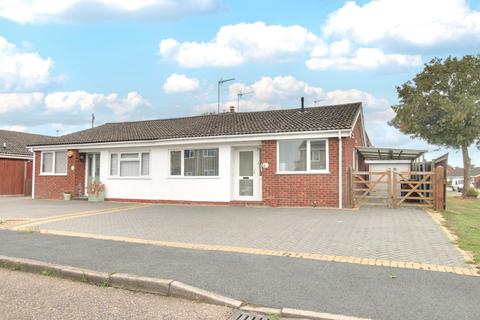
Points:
(244, 315)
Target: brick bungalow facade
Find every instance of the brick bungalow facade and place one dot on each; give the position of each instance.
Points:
(293, 157)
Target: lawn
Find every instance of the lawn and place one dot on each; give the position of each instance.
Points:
(463, 218)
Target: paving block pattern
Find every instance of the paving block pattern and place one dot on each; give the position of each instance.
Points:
(407, 234)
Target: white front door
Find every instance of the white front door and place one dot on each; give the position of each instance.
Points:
(92, 169)
(247, 174)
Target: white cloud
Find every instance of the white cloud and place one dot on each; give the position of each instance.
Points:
(18, 128)
(285, 92)
(355, 95)
(176, 83)
(132, 102)
(76, 101)
(362, 59)
(43, 11)
(20, 69)
(419, 23)
(236, 44)
(15, 102)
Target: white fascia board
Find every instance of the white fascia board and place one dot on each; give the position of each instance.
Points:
(387, 161)
(201, 140)
(15, 156)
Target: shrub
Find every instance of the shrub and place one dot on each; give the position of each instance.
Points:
(95, 188)
(472, 193)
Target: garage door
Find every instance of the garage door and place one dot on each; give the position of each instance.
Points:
(14, 177)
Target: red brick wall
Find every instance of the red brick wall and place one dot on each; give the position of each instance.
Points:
(308, 189)
(299, 189)
(52, 187)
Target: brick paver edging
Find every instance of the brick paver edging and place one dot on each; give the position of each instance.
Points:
(465, 271)
(155, 286)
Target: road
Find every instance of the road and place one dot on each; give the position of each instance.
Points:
(31, 296)
(340, 288)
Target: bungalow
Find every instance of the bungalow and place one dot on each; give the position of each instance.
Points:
(293, 157)
(16, 162)
(457, 174)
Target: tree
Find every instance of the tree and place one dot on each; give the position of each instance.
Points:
(442, 105)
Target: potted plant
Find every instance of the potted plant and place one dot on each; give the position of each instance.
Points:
(67, 195)
(96, 191)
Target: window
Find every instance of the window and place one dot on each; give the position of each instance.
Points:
(318, 156)
(195, 162)
(54, 162)
(302, 156)
(176, 163)
(130, 164)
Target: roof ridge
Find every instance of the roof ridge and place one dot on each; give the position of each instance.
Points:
(232, 113)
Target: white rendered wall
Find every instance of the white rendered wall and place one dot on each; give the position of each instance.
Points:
(161, 186)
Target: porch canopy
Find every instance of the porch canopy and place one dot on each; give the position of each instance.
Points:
(371, 153)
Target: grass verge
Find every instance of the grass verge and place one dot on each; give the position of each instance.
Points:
(463, 218)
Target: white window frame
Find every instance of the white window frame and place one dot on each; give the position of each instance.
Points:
(54, 155)
(309, 170)
(138, 158)
(182, 160)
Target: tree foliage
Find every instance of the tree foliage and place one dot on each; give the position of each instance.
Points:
(442, 103)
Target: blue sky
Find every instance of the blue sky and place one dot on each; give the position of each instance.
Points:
(129, 60)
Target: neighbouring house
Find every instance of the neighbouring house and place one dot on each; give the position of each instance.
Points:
(292, 157)
(457, 173)
(16, 162)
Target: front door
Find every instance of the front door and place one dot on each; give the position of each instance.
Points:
(247, 175)
(92, 169)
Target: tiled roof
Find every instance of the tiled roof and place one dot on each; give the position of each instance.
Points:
(15, 143)
(333, 117)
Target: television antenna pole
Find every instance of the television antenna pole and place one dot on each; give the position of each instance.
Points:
(220, 83)
(239, 95)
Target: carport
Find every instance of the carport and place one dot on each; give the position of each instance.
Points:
(396, 178)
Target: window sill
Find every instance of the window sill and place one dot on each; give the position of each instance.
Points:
(286, 173)
(193, 177)
(129, 178)
(53, 174)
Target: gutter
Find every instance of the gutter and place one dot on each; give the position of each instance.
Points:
(340, 171)
(33, 174)
(193, 140)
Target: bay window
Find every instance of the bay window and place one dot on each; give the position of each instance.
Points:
(130, 164)
(54, 162)
(302, 156)
(194, 162)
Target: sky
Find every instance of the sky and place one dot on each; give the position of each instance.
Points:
(62, 60)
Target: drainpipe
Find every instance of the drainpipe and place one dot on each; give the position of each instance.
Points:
(33, 175)
(340, 180)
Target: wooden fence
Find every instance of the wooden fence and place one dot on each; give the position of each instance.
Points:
(396, 189)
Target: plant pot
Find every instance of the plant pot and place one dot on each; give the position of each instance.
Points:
(67, 196)
(100, 197)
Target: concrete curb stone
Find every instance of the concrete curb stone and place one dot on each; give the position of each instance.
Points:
(138, 283)
(156, 286)
(182, 290)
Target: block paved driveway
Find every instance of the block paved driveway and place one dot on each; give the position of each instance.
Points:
(24, 208)
(406, 234)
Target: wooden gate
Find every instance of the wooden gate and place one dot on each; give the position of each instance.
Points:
(396, 189)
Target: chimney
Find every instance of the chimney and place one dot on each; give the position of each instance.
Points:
(302, 104)
(232, 109)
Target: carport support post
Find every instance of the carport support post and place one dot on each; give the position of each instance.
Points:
(439, 198)
(349, 186)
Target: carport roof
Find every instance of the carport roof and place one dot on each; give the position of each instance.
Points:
(371, 153)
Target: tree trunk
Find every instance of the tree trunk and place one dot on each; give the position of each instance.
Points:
(466, 170)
